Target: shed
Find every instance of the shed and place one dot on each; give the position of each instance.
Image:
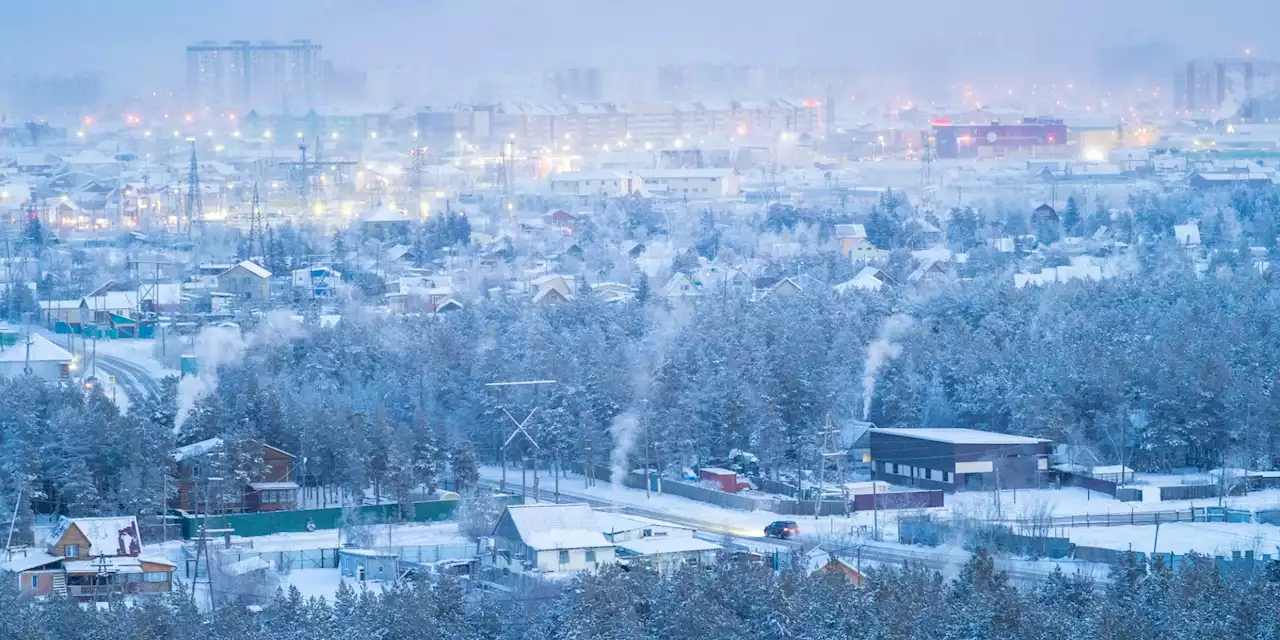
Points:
(724, 479)
(368, 564)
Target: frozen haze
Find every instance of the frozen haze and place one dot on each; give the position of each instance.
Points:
(929, 39)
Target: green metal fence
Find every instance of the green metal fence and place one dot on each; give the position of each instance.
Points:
(262, 524)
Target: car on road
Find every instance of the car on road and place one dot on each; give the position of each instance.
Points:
(782, 529)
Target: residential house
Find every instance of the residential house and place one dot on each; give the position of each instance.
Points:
(36, 570)
(855, 246)
(23, 351)
(773, 287)
(613, 292)
(818, 560)
(246, 280)
(550, 538)
(100, 557)
(552, 289)
(271, 489)
(868, 279)
(561, 219)
(661, 546)
(384, 222)
(428, 294)
(680, 286)
(930, 272)
(1187, 235)
(316, 281)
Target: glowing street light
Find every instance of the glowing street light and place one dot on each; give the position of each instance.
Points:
(266, 134)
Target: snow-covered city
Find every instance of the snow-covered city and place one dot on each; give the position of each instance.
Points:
(579, 319)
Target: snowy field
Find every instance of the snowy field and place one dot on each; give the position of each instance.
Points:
(1208, 538)
(322, 583)
(400, 535)
(705, 517)
(1070, 501)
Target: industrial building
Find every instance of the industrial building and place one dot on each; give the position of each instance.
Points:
(958, 459)
(1032, 136)
(1228, 88)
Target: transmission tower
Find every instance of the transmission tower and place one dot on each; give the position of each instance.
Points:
(415, 178)
(194, 204)
(257, 238)
(304, 179)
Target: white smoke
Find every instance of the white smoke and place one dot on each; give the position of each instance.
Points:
(665, 326)
(223, 345)
(879, 353)
(625, 429)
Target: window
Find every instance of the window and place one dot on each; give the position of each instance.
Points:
(71, 551)
(591, 555)
(269, 497)
(647, 533)
(155, 576)
(946, 476)
(564, 556)
(35, 582)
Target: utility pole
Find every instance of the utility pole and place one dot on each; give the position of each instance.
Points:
(14, 520)
(647, 493)
(519, 426)
(830, 449)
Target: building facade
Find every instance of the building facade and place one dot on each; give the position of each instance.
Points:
(245, 75)
(958, 459)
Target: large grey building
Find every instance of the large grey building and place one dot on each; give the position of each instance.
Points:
(246, 75)
(958, 459)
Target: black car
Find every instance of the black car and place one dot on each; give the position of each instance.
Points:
(782, 529)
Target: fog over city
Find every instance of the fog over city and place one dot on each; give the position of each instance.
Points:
(932, 40)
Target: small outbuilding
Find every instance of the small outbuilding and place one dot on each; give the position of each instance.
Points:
(368, 564)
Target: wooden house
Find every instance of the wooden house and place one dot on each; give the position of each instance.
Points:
(89, 558)
(273, 489)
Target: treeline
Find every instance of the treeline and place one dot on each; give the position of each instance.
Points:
(1139, 602)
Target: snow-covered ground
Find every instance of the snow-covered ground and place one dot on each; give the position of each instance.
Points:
(1208, 538)
(1070, 501)
(705, 517)
(400, 535)
(322, 583)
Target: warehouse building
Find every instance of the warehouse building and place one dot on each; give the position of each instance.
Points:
(958, 459)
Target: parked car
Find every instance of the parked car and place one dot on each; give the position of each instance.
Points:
(782, 529)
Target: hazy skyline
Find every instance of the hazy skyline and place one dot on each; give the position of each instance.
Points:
(140, 42)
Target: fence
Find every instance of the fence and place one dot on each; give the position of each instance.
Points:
(1237, 562)
(927, 532)
(261, 524)
(773, 486)
(1190, 514)
(328, 558)
(897, 500)
(1086, 482)
(683, 489)
(806, 507)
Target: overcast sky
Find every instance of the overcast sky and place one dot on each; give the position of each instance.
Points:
(127, 38)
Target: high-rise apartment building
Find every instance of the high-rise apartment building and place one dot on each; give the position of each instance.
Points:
(266, 75)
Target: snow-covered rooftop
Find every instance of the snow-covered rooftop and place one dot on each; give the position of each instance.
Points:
(196, 449)
(42, 350)
(962, 436)
(557, 526)
(655, 546)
